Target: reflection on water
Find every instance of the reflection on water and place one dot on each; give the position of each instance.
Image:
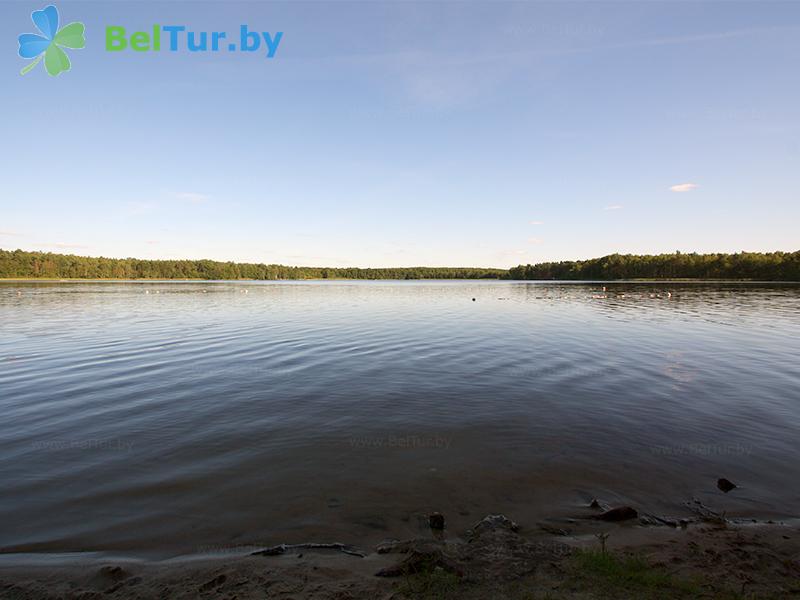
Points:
(172, 417)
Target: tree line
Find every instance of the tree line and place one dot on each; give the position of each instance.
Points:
(46, 265)
(764, 266)
(771, 266)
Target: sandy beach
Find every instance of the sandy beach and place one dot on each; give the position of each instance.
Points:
(496, 558)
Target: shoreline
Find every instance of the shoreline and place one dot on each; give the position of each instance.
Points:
(496, 557)
(312, 279)
(570, 522)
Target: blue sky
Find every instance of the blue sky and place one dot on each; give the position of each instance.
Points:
(410, 133)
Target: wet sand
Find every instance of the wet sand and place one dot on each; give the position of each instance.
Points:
(496, 558)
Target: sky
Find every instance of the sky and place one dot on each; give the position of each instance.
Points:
(402, 133)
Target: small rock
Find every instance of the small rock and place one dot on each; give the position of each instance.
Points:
(621, 513)
(494, 523)
(594, 503)
(725, 485)
(436, 521)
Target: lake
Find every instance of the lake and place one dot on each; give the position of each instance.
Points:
(168, 418)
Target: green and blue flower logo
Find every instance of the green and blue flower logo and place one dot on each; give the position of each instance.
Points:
(49, 45)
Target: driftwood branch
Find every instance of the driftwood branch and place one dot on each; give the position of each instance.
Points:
(284, 548)
(705, 513)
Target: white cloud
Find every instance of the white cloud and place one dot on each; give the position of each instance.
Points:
(537, 222)
(683, 187)
(535, 240)
(613, 207)
(10, 233)
(192, 197)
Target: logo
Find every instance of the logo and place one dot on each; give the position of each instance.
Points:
(179, 37)
(49, 45)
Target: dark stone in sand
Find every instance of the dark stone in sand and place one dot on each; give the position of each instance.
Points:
(621, 513)
(725, 485)
(436, 521)
(594, 503)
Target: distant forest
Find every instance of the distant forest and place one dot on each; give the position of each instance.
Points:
(772, 266)
(22, 264)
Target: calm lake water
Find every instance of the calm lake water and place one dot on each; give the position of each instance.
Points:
(169, 418)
